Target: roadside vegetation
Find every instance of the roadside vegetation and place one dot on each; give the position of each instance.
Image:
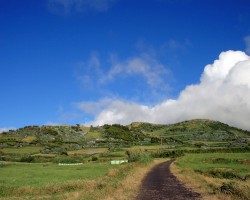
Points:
(30, 158)
(87, 181)
(216, 175)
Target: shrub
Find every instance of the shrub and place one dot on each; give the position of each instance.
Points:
(224, 174)
(198, 144)
(27, 159)
(64, 153)
(230, 188)
(94, 158)
(138, 155)
(167, 154)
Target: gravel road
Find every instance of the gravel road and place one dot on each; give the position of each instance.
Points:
(161, 184)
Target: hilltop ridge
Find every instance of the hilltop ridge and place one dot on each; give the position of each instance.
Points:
(185, 132)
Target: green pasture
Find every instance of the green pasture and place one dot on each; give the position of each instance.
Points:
(37, 175)
(93, 134)
(88, 151)
(22, 150)
(220, 165)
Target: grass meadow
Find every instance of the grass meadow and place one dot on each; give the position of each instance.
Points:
(216, 175)
(89, 181)
(23, 150)
(37, 174)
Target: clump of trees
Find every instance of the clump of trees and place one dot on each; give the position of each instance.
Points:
(138, 155)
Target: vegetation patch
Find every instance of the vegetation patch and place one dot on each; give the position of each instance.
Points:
(138, 155)
(89, 151)
(86, 181)
(29, 156)
(216, 173)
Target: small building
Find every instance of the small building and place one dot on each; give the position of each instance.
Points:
(118, 162)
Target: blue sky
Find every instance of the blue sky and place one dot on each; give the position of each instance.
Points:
(66, 62)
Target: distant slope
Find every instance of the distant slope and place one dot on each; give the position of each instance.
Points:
(187, 133)
(198, 130)
(191, 126)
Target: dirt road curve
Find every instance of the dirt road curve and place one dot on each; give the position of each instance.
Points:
(161, 184)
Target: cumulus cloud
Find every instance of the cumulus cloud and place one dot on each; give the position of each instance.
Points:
(93, 107)
(150, 78)
(50, 123)
(144, 65)
(223, 94)
(68, 6)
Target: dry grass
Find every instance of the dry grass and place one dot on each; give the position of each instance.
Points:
(29, 139)
(87, 151)
(129, 187)
(125, 188)
(44, 155)
(205, 185)
(121, 183)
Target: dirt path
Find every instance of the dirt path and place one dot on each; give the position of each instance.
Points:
(161, 184)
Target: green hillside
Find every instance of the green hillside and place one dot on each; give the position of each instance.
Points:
(39, 152)
(59, 140)
(193, 131)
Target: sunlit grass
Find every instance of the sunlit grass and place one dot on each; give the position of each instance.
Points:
(88, 151)
(216, 175)
(22, 150)
(93, 181)
(37, 175)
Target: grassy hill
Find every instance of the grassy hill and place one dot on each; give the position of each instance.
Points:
(193, 131)
(57, 140)
(199, 144)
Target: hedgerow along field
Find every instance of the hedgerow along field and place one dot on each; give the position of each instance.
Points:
(216, 175)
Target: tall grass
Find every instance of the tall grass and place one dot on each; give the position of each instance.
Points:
(139, 155)
(216, 175)
(120, 182)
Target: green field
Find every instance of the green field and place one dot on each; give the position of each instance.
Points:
(37, 175)
(51, 181)
(90, 181)
(29, 158)
(22, 150)
(219, 173)
(238, 163)
(88, 151)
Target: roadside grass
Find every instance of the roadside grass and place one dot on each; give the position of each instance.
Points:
(22, 150)
(120, 184)
(91, 181)
(216, 175)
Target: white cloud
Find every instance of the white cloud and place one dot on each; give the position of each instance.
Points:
(223, 94)
(93, 107)
(52, 124)
(152, 78)
(67, 6)
(219, 70)
(89, 71)
(143, 65)
(6, 129)
(247, 42)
